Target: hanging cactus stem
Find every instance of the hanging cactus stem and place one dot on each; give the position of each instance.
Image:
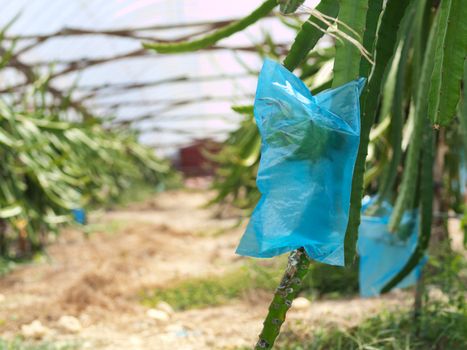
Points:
(297, 268)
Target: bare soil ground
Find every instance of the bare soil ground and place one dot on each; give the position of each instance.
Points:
(99, 279)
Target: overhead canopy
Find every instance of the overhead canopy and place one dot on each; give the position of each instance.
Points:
(96, 45)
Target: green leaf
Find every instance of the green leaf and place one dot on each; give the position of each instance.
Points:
(375, 8)
(405, 199)
(6, 139)
(289, 6)
(211, 39)
(397, 124)
(426, 193)
(309, 35)
(451, 49)
(12, 210)
(347, 62)
(248, 109)
(386, 43)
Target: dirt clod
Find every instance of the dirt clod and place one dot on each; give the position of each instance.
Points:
(34, 330)
(70, 324)
(158, 315)
(301, 303)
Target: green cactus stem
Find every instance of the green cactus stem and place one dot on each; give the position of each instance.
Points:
(309, 34)
(297, 268)
(289, 6)
(406, 197)
(385, 46)
(210, 39)
(426, 208)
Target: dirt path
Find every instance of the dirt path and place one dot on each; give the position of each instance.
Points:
(98, 281)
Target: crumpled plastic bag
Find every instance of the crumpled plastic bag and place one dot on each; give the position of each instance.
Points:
(308, 152)
(382, 253)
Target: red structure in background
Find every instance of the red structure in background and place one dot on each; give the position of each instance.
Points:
(193, 161)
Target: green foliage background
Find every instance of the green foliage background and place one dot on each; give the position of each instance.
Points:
(53, 161)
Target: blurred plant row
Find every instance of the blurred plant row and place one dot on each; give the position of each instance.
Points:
(55, 159)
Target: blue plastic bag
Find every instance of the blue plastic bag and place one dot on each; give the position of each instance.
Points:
(463, 173)
(79, 215)
(308, 152)
(384, 254)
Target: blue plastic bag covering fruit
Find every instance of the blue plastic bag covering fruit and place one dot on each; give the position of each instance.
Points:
(382, 253)
(308, 152)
